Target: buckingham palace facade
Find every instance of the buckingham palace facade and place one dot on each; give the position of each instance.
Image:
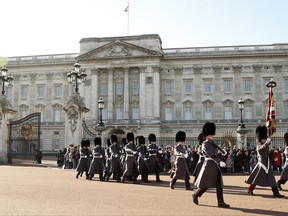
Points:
(150, 89)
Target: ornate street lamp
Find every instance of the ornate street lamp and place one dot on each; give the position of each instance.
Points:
(5, 78)
(241, 108)
(101, 107)
(76, 76)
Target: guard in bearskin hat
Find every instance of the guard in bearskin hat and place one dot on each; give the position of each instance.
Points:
(210, 175)
(201, 157)
(180, 166)
(142, 159)
(262, 174)
(84, 161)
(130, 164)
(284, 175)
(115, 154)
(153, 160)
(97, 164)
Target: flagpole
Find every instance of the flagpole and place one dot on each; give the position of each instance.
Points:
(128, 19)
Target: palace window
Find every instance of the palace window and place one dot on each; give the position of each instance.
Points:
(135, 88)
(41, 91)
(248, 112)
(247, 86)
(227, 112)
(168, 88)
(24, 92)
(57, 115)
(57, 91)
(207, 87)
(135, 113)
(168, 113)
(187, 87)
(188, 113)
(119, 88)
(104, 89)
(119, 113)
(227, 87)
(207, 113)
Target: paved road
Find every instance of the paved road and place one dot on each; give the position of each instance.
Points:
(47, 190)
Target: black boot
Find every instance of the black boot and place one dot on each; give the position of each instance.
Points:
(158, 178)
(279, 185)
(195, 198)
(276, 193)
(223, 205)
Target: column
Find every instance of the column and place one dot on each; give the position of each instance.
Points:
(110, 94)
(156, 93)
(142, 93)
(126, 94)
(178, 87)
(94, 93)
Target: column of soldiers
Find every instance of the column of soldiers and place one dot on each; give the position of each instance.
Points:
(133, 159)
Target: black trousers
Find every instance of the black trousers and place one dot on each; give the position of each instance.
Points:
(187, 183)
(219, 189)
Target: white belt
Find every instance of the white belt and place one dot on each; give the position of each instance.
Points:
(98, 156)
(152, 154)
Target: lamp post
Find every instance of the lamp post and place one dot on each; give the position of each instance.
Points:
(76, 76)
(5, 78)
(241, 108)
(101, 107)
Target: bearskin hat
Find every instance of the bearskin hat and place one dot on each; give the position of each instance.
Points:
(130, 137)
(209, 128)
(108, 142)
(83, 143)
(152, 138)
(87, 142)
(286, 138)
(141, 140)
(180, 136)
(97, 141)
(113, 138)
(201, 138)
(261, 132)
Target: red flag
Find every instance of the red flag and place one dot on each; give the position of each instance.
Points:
(270, 120)
(127, 8)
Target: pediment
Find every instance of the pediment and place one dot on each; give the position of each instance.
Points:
(118, 49)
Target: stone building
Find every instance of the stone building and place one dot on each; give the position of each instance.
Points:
(147, 88)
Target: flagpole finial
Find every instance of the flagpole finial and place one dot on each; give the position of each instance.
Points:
(271, 83)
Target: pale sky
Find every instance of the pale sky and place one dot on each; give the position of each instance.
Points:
(39, 27)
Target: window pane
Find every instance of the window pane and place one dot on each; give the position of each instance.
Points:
(248, 112)
(104, 89)
(135, 88)
(187, 87)
(168, 88)
(188, 113)
(207, 87)
(119, 88)
(57, 91)
(57, 115)
(40, 91)
(168, 114)
(207, 112)
(135, 113)
(24, 92)
(228, 112)
(105, 114)
(119, 113)
(247, 85)
(227, 86)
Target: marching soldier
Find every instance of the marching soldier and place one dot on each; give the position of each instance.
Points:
(153, 162)
(84, 161)
(97, 164)
(201, 157)
(130, 164)
(180, 165)
(210, 175)
(262, 174)
(115, 153)
(142, 159)
(284, 174)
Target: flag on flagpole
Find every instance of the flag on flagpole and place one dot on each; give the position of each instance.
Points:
(270, 119)
(127, 8)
